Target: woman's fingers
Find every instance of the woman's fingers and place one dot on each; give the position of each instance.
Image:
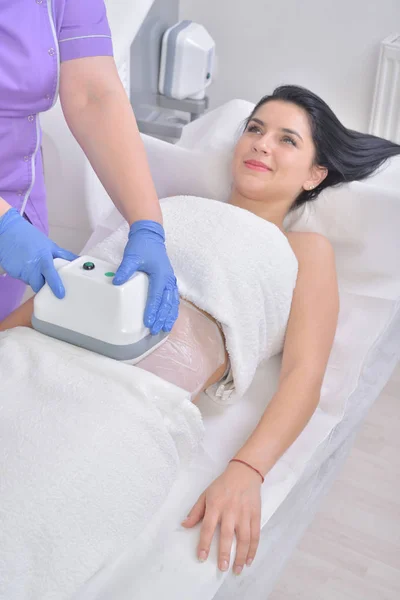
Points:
(255, 532)
(226, 540)
(209, 525)
(197, 512)
(243, 537)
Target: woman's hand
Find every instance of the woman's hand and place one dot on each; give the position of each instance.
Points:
(234, 500)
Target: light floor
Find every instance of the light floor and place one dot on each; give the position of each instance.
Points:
(352, 549)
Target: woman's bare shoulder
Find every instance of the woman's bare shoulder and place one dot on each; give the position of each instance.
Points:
(306, 244)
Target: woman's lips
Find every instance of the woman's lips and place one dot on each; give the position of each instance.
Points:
(256, 165)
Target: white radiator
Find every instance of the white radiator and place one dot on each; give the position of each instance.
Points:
(385, 117)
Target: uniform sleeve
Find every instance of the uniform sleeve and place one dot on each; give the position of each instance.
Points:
(84, 30)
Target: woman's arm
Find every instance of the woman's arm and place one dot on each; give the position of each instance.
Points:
(309, 338)
(233, 499)
(20, 317)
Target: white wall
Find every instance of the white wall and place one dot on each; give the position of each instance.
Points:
(329, 46)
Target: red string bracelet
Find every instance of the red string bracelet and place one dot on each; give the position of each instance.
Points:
(247, 464)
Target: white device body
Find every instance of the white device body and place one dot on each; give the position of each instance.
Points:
(95, 313)
(187, 61)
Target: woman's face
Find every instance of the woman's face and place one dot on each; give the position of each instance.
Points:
(273, 159)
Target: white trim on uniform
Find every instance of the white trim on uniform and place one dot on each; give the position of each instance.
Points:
(37, 122)
(56, 48)
(33, 159)
(83, 37)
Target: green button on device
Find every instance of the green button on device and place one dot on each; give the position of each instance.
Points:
(88, 266)
(109, 274)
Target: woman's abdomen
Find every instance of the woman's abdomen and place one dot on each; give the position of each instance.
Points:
(193, 356)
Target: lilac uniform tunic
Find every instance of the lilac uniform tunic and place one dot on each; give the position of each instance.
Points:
(35, 36)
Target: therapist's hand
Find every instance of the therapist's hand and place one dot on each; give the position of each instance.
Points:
(27, 254)
(145, 251)
(234, 501)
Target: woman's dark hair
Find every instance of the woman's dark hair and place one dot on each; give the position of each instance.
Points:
(348, 155)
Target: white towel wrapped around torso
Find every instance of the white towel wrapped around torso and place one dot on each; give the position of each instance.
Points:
(234, 265)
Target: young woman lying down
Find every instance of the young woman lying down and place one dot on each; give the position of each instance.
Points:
(250, 289)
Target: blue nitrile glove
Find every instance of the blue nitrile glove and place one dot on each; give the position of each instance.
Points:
(27, 254)
(145, 251)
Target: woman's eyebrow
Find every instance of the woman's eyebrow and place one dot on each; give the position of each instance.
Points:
(257, 121)
(292, 131)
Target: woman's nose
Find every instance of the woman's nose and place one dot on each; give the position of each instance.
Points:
(262, 145)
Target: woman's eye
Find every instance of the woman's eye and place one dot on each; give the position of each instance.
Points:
(253, 129)
(289, 139)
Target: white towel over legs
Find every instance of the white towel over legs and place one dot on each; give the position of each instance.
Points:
(90, 448)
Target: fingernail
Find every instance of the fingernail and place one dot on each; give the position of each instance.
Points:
(237, 570)
(202, 555)
(185, 520)
(248, 563)
(224, 565)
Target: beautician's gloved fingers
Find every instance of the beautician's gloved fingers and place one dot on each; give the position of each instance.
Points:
(163, 312)
(36, 280)
(44, 271)
(145, 251)
(26, 253)
(173, 313)
(158, 287)
(128, 267)
(153, 305)
(52, 277)
(62, 253)
(160, 300)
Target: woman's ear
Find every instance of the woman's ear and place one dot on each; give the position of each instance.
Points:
(318, 174)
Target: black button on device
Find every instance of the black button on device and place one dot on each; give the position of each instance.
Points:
(88, 266)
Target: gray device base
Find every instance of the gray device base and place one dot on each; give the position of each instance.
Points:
(127, 352)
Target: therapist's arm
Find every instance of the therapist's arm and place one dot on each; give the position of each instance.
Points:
(99, 115)
(308, 342)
